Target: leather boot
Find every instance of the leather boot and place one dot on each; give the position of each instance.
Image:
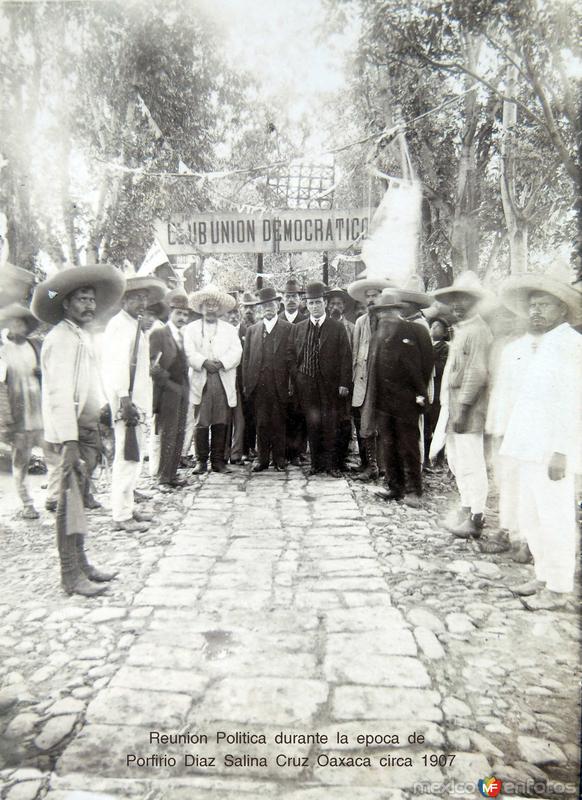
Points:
(72, 578)
(471, 528)
(202, 450)
(217, 445)
(370, 473)
(88, 569)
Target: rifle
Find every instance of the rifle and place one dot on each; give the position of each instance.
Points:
(131, 449)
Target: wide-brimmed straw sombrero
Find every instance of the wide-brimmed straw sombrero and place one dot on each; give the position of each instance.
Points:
(18, 311)
(516, 291)
(390, 298)
(466, 283)
(211, 292)
(156, 288)
(357, 290)
(413, 292)
(107, 281)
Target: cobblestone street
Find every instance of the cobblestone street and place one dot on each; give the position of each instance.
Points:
(281, 604)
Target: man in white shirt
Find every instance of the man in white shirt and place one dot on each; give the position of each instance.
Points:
(543, 432)
(72, 400)
(126, 376)
(214, 351)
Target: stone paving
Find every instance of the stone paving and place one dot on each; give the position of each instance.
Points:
(289, 618)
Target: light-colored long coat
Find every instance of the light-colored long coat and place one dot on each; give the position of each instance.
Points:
(360, 353)
(225, 347)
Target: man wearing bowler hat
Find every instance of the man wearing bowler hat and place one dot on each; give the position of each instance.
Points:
(171, 389)
(266, 378)
(320, 364)
(128, 385)
(337, 301)
(295, 429)
(72, 402)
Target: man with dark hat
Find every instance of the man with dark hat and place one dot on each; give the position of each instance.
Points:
(171, 390)
(21, 419)
(72, 401)
(403, 366)
(295, 427)
(291, 296)
(320, 364)
(128, 385)
(214, 352)
(248, 308)
(337, 301)
(366, 291)
(266, 379)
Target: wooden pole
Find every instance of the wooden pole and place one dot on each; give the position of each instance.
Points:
(325, 277)
(259, 271)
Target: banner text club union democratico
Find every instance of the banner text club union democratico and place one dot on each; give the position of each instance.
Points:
(271, 232)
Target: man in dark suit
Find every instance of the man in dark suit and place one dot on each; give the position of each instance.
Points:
(403, 366)
(295, 428)
(320, 364)
(169, 371)
(266, 378)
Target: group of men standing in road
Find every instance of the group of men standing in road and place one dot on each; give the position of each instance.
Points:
(299, 379)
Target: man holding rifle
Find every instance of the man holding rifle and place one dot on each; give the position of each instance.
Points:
(126, 373)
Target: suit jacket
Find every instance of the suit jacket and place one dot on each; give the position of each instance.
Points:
(172, 360)
(335, 355)
(468, 371)
(301, 315)
(360, 352)
(252, 357)
(225, 348)
(403, 366)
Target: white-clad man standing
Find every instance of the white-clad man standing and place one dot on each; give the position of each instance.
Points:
(543, 433)
(126, 377)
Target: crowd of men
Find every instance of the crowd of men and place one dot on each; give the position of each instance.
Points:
(285, 378)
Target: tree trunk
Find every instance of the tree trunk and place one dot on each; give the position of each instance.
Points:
(465, 228)
(517, 225)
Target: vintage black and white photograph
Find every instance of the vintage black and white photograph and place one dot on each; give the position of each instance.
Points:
(290, 399)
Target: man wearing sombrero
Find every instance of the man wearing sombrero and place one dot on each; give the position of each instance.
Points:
(72, 400)
(126, 376)
(543, 370)
(464, 402)
(214, 351)
(366, 291)
(266, 379)
(21, 417)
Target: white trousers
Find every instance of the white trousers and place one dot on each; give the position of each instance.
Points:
(506, 476)
(154, 442)
(466, 458)
(125, 474)
(189, 433)
(547, 519)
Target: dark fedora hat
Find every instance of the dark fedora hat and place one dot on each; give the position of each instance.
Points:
(267, 295)
(177, 298)
(292, 286)
(315, 289)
